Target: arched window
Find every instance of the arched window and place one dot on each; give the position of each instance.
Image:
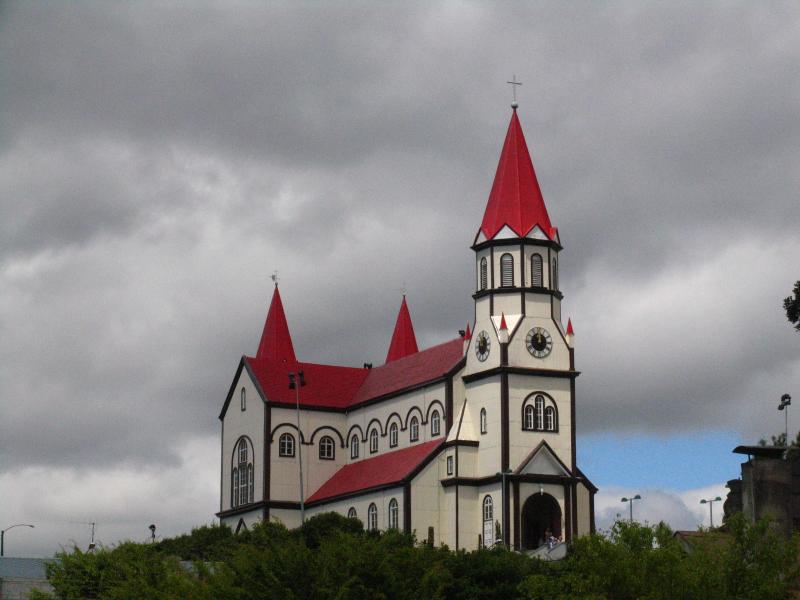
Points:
(529, 422)
(243, 396)
(507, 270)
(488, 509)
(242, 480)
(354, 446)
(483, 420)
(372, 517)
(394, 513)
(373, 441)
(536, 270)
(539, 402)
(539, 413)
(550, 419)
(435, 423)
(484, 278)
(414, 429)
(286, 445)
(327, 449)
(554, 275)
(393, 435)
(351, 514)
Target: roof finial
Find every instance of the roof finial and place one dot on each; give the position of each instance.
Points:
(274, 277)
(514, 83)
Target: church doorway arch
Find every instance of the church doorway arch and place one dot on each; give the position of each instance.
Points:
(540, 513)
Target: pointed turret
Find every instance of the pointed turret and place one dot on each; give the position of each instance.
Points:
(570, 334)
(516, 200)
(467, 337)
(276, 342)
(403, 340)
(502, 334)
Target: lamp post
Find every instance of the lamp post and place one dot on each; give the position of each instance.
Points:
(3, 536)
(786, 402)
(503, 475)
(710, 502)
(630, 504)
(293, 385)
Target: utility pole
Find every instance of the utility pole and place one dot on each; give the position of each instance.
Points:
(296, 385)
(710, 503)
(3, 536)
(630, 504)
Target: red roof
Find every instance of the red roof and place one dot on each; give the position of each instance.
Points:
(384, 469)
(515, 199)
(330, 386)
(411, 370)
(570, 331)
(276, 343)
(403, 340)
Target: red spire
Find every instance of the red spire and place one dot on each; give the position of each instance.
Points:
(276, 343)
(503, 322)
(569, 327)
(403, 340)
(515, 199)
(468, 334)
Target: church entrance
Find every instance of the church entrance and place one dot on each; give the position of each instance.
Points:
(540, 513)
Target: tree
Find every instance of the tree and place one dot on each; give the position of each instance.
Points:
(792, 306)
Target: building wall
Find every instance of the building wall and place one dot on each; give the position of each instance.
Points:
(430, 505)
(361, 504)
(584, 499)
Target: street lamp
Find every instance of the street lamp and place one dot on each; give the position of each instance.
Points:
(502, 475)
(293, 385)
(3, 536)
(630, 503)
(786, 402)
(710, 503)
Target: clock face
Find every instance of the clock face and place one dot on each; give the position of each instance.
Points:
(482, 345)
(539, 342)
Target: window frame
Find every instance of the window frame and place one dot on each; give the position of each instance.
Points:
(327, 448)
(506, 270)
(354, 450)
(286, 445)
(540, 413)
(394, 514)
(436, 423)
(537, 270)
(394, 434)
(351, 513)
(483, 425)
(483, 274)
(243, 399)
(372, 517)
(488, 508)
(373, 441)
(413, 429)
(450, 465)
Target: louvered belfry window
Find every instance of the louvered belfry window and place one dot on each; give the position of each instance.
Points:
(536, 270)
(507, 270)
(484, 278)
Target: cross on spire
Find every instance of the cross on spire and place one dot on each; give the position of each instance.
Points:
(274, 277)
(514, 83)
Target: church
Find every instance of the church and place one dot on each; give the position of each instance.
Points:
(468, 443)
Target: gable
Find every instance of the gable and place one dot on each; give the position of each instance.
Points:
(543, 461)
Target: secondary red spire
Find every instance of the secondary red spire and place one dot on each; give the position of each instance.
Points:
(503, 322)
(276, 342)
(570, 331)
(467, 333)
(515, 199)
(403, 340)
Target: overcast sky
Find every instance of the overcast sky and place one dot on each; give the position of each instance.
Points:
(158, 161)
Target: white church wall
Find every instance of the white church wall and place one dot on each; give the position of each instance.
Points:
(361, 503)
(250, 518)
(537, 306)
(288, 517)
(584, 510)
(420, 403)
(518, 354)
(522, 442)
(484, 323)
(238, 423)
(469, 518)
(284, 478)
(426, 490)
(485, 393)
(467, 460)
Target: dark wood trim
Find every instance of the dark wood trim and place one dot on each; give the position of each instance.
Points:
(357, 493)
(323, 427)
(532, 453)
(407, 508)
(425, 462)
(506, 514)
(256, 505)
(491, 296)
(451, 443)
(573, 436)
(517, 516)
(448, 405)
(515, 290)
(519, 371)
(456, 444)
(591, 512)
(267, 468)
(582, 476)
(232, 389)
(504, 441)
(524, 478)
(287, 504)
(575, 508)
(531, 399)
(516, 240)
(222, 466)
(567, 513)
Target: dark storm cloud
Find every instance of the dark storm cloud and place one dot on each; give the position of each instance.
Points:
(160, 161)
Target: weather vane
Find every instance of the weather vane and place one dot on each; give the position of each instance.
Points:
(274, 277)
(514, 83)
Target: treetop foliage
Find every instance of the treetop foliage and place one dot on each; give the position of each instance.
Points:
(792, 306)
(333, 558)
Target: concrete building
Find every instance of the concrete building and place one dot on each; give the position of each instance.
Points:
(20, 576)
(456, 442)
